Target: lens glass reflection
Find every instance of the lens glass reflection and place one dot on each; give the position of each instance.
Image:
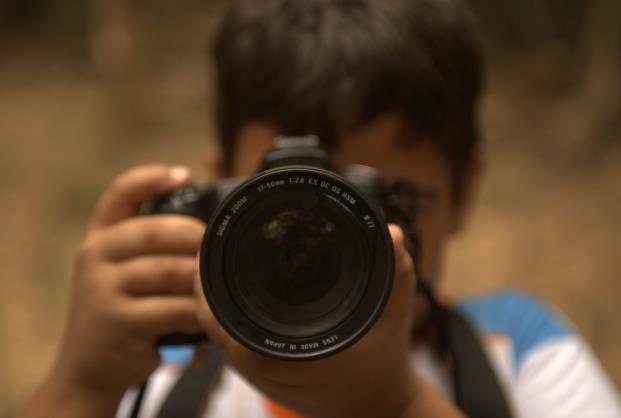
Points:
(297, 264)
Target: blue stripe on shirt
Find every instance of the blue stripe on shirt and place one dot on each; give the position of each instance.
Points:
(525, 320)
(178, 354)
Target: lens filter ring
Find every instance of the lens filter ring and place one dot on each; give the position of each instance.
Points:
(296, 264)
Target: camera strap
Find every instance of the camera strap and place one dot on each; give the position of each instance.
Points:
(190, 394)
(476, 386)
(477, 390)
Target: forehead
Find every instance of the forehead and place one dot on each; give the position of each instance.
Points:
(387, 146)
(382, 143)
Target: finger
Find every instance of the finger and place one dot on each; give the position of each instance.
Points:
(398, 239)
(405, 268)
(161, 315)
(404, 278)
(151, 235)
(124, 197)
(403, 261)
(158, 275)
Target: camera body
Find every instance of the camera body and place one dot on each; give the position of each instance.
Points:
(297, 261)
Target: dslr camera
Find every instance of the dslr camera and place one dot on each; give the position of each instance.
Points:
(297, 262)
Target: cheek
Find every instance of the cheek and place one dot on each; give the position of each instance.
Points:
(433, 232)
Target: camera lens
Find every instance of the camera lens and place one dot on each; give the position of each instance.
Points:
(294, 268)
(296, 264)
(301, 256)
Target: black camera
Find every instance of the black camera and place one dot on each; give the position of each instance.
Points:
(297, 262)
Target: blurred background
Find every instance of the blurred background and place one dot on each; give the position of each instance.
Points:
(90, 88)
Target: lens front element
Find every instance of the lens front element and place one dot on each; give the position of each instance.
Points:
(294, 268)
(296, 264)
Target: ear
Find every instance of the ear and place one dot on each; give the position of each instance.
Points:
(214, 161)
(470, 188)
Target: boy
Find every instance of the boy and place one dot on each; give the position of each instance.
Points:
(392, 84)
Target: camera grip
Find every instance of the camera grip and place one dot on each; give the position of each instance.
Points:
(177, 338)
(188, 201)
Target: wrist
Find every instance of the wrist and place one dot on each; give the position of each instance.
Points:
(73, 397)
(58, 399)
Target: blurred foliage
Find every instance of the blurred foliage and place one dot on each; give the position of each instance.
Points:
(23, 18)
(526, 23)
(513, 20)
(25, 15)
(574, 46)
(17, 13)
(563, 48)
(513, 23)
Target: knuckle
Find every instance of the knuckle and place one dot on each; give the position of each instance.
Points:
(150, 235)
(87, 247)
(191, 267)
(123, 280)
(198, 226)
(191, 227)
(139, 173)
(86, 251)
(168, 268)
(119, 183)
(176, 222)
(183, 315)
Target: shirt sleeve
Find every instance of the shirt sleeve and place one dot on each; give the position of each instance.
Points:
(564, 379)
(554, 373)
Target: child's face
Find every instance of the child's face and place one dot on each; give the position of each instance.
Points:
(380, 144)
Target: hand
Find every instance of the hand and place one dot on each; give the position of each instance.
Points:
(133, 281)
(372, 378)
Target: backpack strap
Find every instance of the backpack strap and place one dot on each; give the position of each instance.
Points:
(189, 396)
(477, 389)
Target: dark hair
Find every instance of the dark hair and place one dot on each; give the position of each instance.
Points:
(328, 66)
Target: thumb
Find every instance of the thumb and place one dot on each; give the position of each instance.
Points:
(123, 198)
(400, 303)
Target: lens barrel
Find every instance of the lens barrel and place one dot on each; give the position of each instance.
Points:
(296, 264)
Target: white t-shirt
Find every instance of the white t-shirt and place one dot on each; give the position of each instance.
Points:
(546, 370)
